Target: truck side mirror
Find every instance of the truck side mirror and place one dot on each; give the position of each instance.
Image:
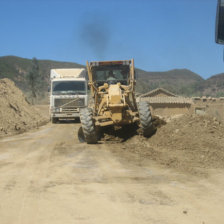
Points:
(48, 89)
(219, 32)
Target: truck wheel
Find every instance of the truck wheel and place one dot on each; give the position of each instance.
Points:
(88, 127)
(145, 118)
(54, 120)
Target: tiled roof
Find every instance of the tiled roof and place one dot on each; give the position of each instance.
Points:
(158, 90)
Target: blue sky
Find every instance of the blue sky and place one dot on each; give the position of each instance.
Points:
(159, 34)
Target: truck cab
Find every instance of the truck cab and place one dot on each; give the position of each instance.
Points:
(68, 93)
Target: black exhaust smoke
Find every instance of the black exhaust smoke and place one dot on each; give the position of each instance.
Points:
(95, 35)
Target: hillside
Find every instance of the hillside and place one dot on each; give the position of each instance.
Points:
(179, 81)
(214, 85)
(16, 69)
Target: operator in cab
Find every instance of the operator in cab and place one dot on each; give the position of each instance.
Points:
(111, 76)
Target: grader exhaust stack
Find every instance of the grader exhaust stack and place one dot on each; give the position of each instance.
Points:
(112, 85)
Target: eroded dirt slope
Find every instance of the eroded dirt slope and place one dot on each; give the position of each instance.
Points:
(16, 114)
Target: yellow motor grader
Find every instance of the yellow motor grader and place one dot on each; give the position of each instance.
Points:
(112, 85)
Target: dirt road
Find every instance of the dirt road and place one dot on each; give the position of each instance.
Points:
(47, 176)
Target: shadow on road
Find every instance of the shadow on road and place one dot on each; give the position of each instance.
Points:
(65, 121)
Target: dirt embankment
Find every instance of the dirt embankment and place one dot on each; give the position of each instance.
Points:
(16, 114)
(189, 144)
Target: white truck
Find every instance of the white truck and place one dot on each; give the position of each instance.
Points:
(68, 93)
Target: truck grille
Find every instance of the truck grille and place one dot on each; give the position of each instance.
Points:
(69, 103)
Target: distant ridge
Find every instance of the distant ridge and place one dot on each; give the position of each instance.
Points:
(179, 81)
(16, 68)
(214, 85)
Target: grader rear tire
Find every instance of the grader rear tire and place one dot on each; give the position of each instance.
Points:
(88, 127)
(145, 118)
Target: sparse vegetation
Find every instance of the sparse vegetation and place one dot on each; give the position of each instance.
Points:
(33, 79)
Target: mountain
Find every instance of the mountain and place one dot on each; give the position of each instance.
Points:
(16, 69)
(179, 81)
(214, 85)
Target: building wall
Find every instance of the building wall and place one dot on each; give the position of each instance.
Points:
(213, 108)
(170, 109)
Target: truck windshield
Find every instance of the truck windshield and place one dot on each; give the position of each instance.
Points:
(68, 88)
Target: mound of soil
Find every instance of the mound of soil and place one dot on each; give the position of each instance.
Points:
(16, 114)
(190, 143)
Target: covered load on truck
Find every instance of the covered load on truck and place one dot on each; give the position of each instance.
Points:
(68, 73)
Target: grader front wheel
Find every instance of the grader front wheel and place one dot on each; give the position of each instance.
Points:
(145, 118)
(88, 127)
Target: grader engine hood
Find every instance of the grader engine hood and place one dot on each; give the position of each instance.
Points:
(115, 102)
(115, 95)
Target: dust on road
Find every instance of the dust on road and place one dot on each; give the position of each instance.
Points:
(47, 176)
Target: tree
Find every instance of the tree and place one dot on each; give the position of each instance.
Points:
(34, 78)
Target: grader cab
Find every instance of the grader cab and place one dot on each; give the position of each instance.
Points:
(112, 85)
